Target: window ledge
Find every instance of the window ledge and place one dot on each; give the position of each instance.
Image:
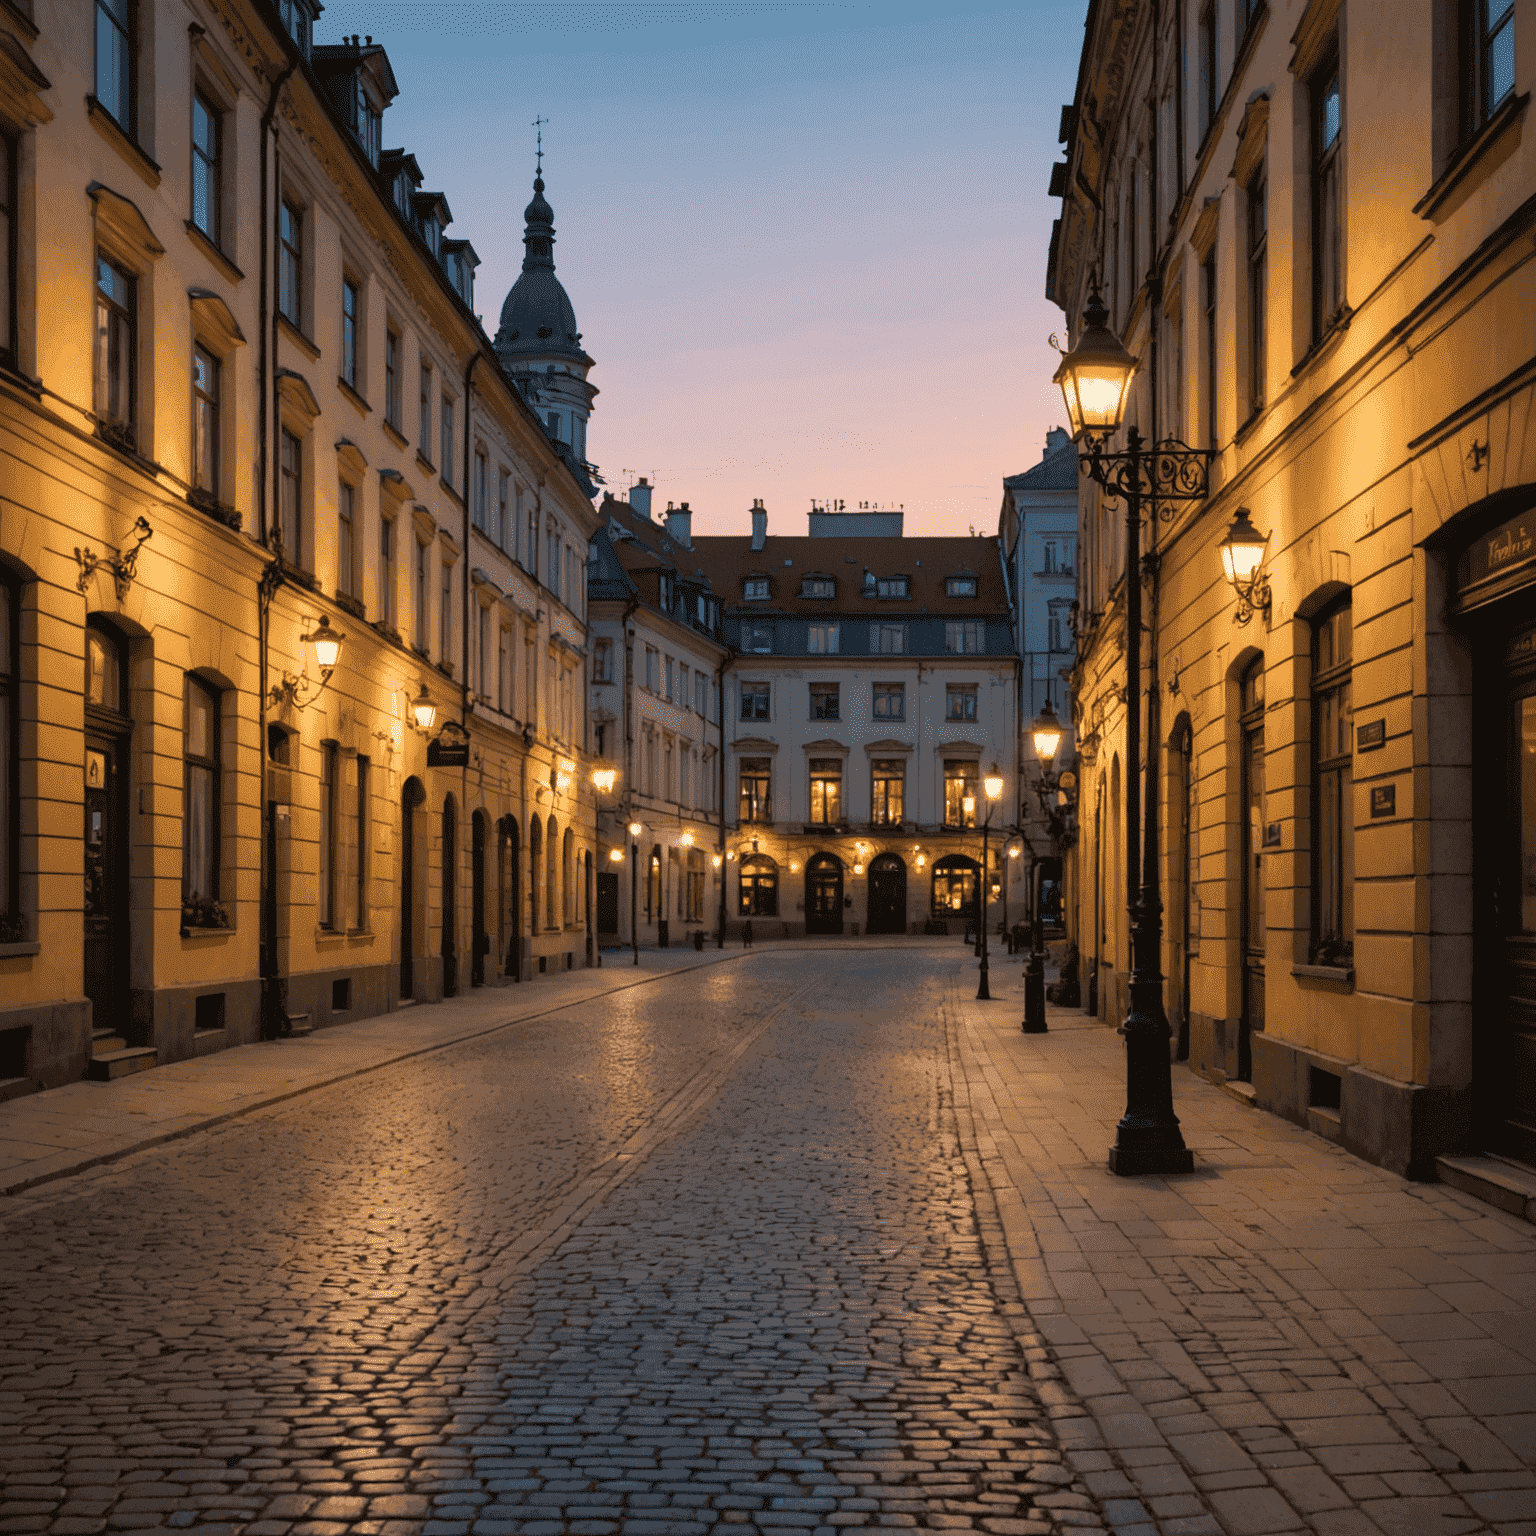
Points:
(353, 605)
(1333, 332)
(1469, 154)
(394, 434)
(1342, 976)
(297, 337)
(214, 254)
(115, 135)
(453, 494)
(220, 512)
(423, 462)
(209, 933)
(363, 408)
(19, 948)
(1254, 418)
(12, 375)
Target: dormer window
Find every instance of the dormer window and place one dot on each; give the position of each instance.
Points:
(432, 234)
(960, 586)
(755, 589)
(369, 125)
(403, 192)
(295, 19)
(893, 586)
(818, 586)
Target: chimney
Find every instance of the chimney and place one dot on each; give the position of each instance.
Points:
(640, 496)
(759, 523)
(680, 525)
(1055, 438)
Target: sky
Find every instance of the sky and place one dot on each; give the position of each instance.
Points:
(805, 239)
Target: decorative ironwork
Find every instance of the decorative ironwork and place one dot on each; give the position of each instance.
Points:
(1170, 471)
(124, 564)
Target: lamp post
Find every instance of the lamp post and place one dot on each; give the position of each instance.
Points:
(1095, 378)
(635, 829)
(993, 785)
(1045, 734)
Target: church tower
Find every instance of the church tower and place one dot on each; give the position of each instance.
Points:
(537, 340)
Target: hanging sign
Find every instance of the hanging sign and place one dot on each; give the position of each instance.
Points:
(449, 748)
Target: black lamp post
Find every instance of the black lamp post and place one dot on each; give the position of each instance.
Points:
(1095, 378)
(993, 786)
(1046, 736)
(635, 829)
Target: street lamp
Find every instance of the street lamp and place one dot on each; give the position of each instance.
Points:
(1045, 735)
(1242, 555)
(635, 829)
(1095, 378)
(604, 776)
(299, 691)
(423, 711)
(993, 785)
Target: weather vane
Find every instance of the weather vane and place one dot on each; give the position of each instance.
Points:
(539, 123)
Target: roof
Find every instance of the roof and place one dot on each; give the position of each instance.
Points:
(537, 318)
(927, 561)
(1055, 472)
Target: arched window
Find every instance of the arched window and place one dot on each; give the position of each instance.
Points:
(954, 886)
(759, 887)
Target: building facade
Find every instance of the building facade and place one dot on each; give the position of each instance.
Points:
(657, 669)
(1312, 222)
(872, 685)
(294, 613)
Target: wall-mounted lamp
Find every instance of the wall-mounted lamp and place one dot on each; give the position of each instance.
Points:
(423, 711)
(993, 783)
(1045, 735)
(858, 869)
(1242, 558)
(718, 861)
(636, 828)
(686, 840)
(615, 855)
(604, 776)
(298, 691)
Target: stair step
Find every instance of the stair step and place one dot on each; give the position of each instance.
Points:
(105, 1041)
(17, 1088)
(1509, 1186)
(115, 1064)
(299, 1024)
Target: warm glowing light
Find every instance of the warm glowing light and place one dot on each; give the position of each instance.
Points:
(1242, 551)
(636, 828)
(921, 861)
(1013, 852)
(327, 644)
(686, 839)
(718, 861)
(423, 710)
(1045, 733)
(603, 779)
(1095, 376)
(968, 805)
(993, 783)
(615, 855)
(794, 869)
(858, 869)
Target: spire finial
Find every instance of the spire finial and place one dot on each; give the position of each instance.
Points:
(539, 123)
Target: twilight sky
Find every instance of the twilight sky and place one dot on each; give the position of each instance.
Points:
(805, 242)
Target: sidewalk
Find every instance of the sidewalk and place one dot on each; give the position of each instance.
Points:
(1287, 1339)
(49, 1135)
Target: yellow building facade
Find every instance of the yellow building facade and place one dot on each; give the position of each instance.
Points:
(246, 412)
(1312, 223)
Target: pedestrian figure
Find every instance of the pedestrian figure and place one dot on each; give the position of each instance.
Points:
(746, 934)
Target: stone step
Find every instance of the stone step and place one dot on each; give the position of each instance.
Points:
(298, 1024)
(17, 1088)
(115, 1064)
(1501, 1182)
(105, 1041)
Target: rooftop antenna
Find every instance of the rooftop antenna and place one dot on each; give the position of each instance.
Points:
(539, 123)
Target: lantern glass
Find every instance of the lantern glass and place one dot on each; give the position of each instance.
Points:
(1095, 376)
(636, 828)
(1046, 734)
(423, 710)
(993, 784)
(615, 855)
(603, 779)
(327, 644)
(1242, 551)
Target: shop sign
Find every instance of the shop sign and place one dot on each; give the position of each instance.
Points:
(1383, 800)
(1370, 736)
(1507, 548)
(450, 747)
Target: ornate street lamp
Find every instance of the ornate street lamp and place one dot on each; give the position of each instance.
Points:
(635, 829)
(604, 777)
(299, 691)
(1242, 556)
(1045, 736)
(993, 786)
(423, 711)
(1095, 377)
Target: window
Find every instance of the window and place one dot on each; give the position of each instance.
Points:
(387, 571)
(756, 783)
(504, 532)
(424, 426)
(207, 129)
(824, 701)
(1056, 638)
(357, 918)
(1252, 928)
(1206, 43)
(757, 639)
(602, 661)
(205, 421)
(447, 439)
(8, 249)
(552, 560)
(754, 701)
(960, 586)
(954, 886)
(666, 768)
(290, 261)
(553, 425)
(888, 784)
(667, 665)
(349, 333)
(504, 677)
(826, 790)
(821, 639)
(330, 755)
(960, 792)
(369, 125)
(290, 506)
(652, 669)
(421, 592)
(295, 19)
(887, 639)
(1488, 55)
(482, 471)
(10, 800)
(115, 23)
(1327, 209)
(483, 649)
(890, 701)
(695, 885)
(1333, 817)
(759, 887)
(1258, 287)
(816, 586)
(116, 344)
(393, 405)
(755, 588)
(531, 553)
(893, 586)
(962, 637)
(445, 617)
(960, 701)
(1208, 327)
(700, 695)
(684, 696)
(346, 539)
(200, 837)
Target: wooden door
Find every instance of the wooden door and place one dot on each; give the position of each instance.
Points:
(106, 882)
(887, 895)
(823, 895)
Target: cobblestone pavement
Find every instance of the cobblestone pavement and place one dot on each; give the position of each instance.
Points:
(704, 1254)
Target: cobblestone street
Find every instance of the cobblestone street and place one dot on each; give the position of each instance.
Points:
(701, 1253)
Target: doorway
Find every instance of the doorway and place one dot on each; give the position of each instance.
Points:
(887, 895)
(823, 894)
(511, 888)
(411, 798)
(607, 903)
(108, 733)
(480, 940)
(1186, 935)
(1252, 925)
(450, 873)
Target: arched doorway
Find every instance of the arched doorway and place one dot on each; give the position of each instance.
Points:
(510, 887)
(535, 863)
(108, 736)
(450, 897)
(480, 940)
(412, 796)
(758, 887)
(823, 894)
(887, 895)
(1253, 929)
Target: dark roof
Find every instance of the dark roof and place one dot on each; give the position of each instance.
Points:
(927, 561)
(537, 319)
(1055, 472)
